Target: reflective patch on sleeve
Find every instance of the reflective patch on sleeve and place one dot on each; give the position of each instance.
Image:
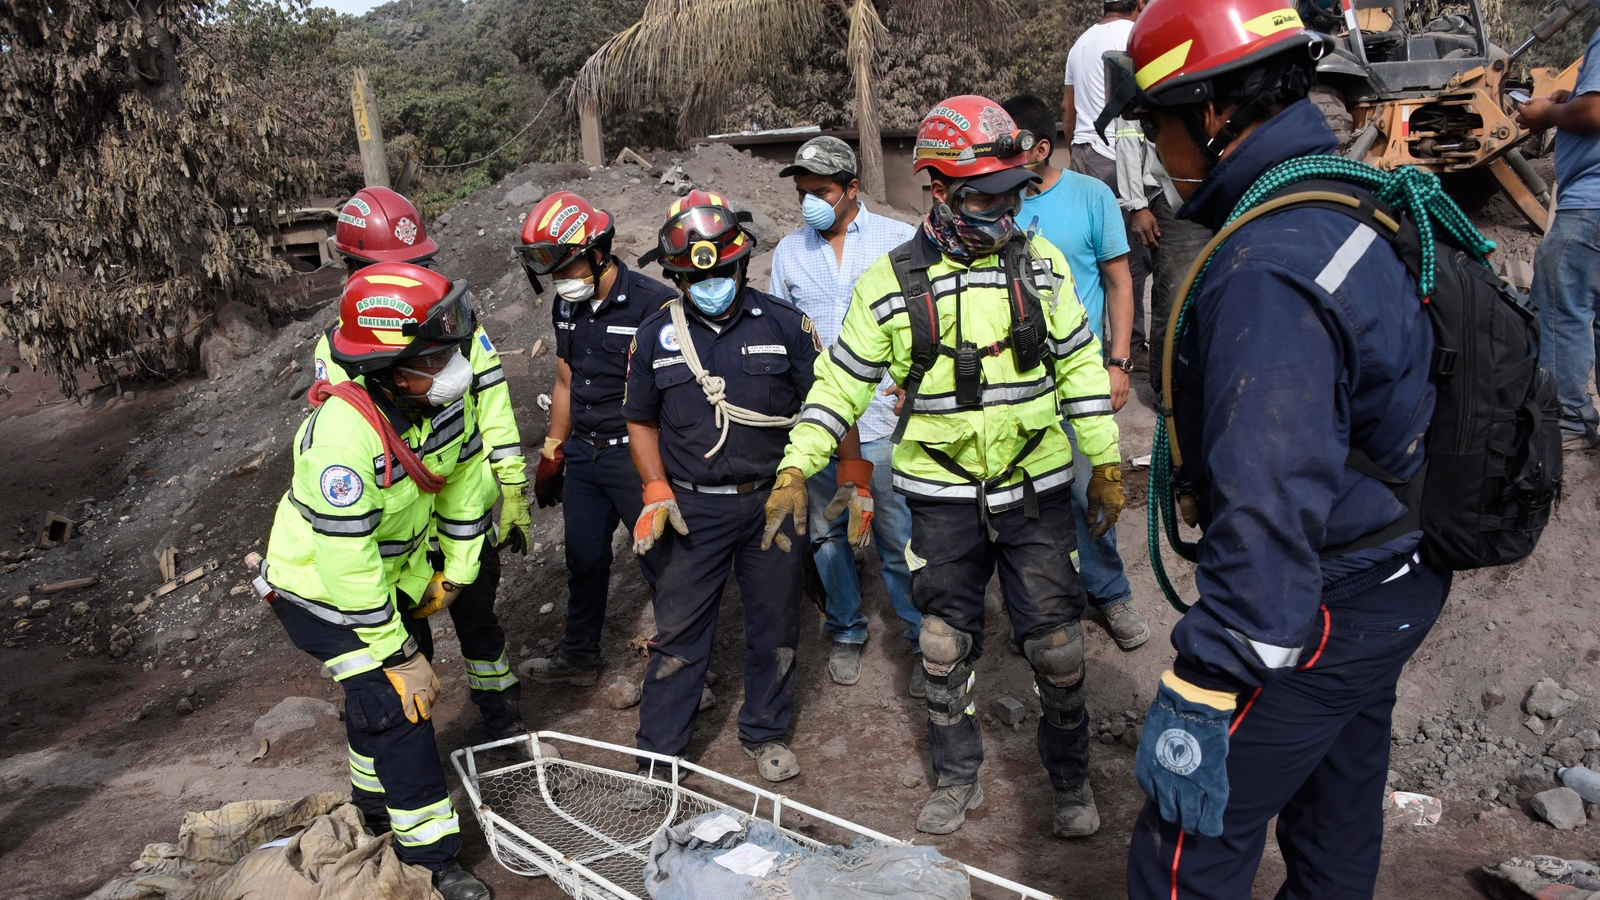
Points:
(341, 486)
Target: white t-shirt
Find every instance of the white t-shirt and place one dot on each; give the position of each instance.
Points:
(1086, 73)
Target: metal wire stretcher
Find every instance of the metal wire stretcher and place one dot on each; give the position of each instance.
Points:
(580, 824)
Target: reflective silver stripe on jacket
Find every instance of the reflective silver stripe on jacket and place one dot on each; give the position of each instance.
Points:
(447, 426)
(972, 278)
(488, 379)
(471, 447)
(885, 307)
(999, 500)
(463, 530)
(350, 663)
(1080, 338)
(338, 526)
(508, 451)
(993, 395)
(1079, 407)
(860, 369)
(1271, 656)
(361, 618)
(390, 549)
(831, 422)
(311, 425)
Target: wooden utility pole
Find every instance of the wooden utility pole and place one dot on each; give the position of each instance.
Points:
(374, 165)
(594, 149)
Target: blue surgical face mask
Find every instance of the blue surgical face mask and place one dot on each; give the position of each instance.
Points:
(714, 295)
(817, 213)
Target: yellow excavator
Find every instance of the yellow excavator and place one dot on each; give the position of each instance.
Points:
(1437, 94)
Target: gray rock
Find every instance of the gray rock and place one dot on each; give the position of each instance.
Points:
(1568, 751)
(1593, 810)
(185, 706)
(300, 386)
(1492, 697)
(202, 429)
(1548, 700)
(1561, 807)
(40, 605)
(1130, 738)
(1010, 711)
(294, 714)
(80, 608)
(1589, 738)
(190, 634)
(1534, 724)
(444, 218)
(911, 779)
(197, 527)
(622, 694)
(707, 699)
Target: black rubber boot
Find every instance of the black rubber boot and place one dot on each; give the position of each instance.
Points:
(454, 882)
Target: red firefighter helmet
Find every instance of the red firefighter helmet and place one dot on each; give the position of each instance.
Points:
(378, 225)
(1178, 46)
(562, 227)
(396, 311)
(974, 139)
(702, 232)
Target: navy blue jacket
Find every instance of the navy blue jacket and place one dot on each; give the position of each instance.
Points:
(594, 343)
(765, 353)
(1307, 338)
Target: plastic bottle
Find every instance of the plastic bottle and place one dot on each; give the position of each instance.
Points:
(1583, 780)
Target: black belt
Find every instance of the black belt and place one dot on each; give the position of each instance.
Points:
(745, 488)
(601, 443)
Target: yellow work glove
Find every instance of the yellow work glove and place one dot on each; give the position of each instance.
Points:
(514, 517)
(660, 507)
(417, 686)
(788, 498)
(854, 494)
(439, 594)
(1105, 498)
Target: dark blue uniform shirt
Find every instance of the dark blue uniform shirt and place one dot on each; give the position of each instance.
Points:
(764, 353)
(595, 344)
(1307, 337)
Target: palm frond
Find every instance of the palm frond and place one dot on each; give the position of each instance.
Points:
(867, 34)
(698, 53)
(955, 20)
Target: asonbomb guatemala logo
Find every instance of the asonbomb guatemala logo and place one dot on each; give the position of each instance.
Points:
(341, 486)
(399, 313)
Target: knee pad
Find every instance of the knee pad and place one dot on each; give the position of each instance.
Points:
(1057, 656)
(1057, 661)
(942, 645)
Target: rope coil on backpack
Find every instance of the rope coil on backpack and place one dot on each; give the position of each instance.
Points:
(1416, 191)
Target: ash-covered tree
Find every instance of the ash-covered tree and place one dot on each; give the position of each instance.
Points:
(140, 171)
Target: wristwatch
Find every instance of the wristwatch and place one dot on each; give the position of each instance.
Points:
(1122, 363)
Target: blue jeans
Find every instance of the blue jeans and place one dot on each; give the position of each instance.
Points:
(1566, 288)
(836, 559)
(1099, 563)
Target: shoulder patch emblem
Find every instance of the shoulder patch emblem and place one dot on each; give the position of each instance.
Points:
(805, 324)
(341, 486)
(483, 339)
(320, 369)
(565, 309)
(669, 338)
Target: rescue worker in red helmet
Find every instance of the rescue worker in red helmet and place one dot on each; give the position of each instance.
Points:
(979, 323)
(715, 381)
(1301, 376)
(379, 225)
(585, 465)
(342, 569)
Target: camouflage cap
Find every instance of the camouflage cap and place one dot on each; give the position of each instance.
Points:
(824, 155)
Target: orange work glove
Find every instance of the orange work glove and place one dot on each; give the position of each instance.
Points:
(660, 507)
(855, 494)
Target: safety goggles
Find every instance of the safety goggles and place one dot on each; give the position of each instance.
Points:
(546, 257)
(1007, 205)
(697, 234)
(450, 320)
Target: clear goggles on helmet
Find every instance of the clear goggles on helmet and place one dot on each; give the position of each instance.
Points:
(545, 257)
(450, 320)
(696, 236)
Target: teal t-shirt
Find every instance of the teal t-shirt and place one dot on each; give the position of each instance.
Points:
(1080, 216)
(1577, 155)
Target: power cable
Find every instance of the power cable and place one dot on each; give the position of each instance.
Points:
(491, 153)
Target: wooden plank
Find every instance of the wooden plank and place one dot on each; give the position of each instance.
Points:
(369, 130)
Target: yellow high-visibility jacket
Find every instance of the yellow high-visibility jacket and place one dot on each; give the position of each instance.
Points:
(496, 419)
(342, 545)
(876, 337)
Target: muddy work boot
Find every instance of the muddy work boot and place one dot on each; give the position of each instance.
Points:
(648, 791)
(1127, 627)
(521, 751)
(555, 670)
(844, 663)
(774, 760)
(947, 808)
(919, 678)
(1578, 442)
(1075, 815)
(454, 882)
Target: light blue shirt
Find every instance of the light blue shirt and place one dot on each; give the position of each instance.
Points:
(805, 272)
(1578, 155)
(1080, 215)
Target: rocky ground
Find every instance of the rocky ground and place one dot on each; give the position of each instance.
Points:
(119, 713)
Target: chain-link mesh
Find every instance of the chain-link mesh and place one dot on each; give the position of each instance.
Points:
(603, 820)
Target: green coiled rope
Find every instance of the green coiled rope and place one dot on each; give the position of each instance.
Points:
(1413, 190)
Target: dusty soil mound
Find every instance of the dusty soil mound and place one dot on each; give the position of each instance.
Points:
(116, 716)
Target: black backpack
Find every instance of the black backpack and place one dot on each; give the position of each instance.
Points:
(1494, 467)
